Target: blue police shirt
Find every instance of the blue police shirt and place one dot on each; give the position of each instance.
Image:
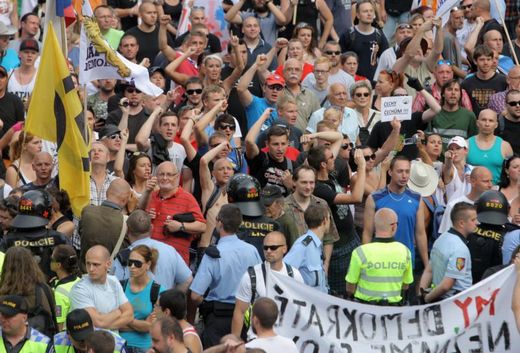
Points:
(306, 255)
(222, 275)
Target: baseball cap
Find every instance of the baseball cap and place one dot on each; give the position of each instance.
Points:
(11, 305)
(108, 130)
(270, 193)
(155, 69)
(79, 324)
(459, 141)
(29, 44)
(274, 79)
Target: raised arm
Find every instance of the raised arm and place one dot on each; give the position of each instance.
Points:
(447, 167)
(142, 139)
(328, 20)
(120, 156)
(390, 142)
(356, 195)
(244, 95)
(123, 123)
(252, 149)
(170, 70)
(368, 220)
(412, 48)
(206, 183)
(205, 120)
(233, 14)
(438, 45)
(334, 137)
(435, 107)
(471, 42)
(278, 14)
(185, 138)
(229, 82)
(169, 52)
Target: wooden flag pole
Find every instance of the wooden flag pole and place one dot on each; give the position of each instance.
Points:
(507, 33)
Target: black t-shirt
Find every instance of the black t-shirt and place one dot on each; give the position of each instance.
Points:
(267, 170)
(327, 190)
(128, 21)
(397, 7)
(362, 44)
(213, 47)
(148, 43)
(382, 130)
(485, 247)
(479, 90)
(510, 133)
(254, 229)
(341, 169)
(135, 122)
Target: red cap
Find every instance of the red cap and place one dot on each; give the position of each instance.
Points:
(29, 44)
(274, 79)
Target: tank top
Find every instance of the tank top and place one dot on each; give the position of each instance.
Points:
(308, 13)
(174, 11)
(490, 158)
(22, 91)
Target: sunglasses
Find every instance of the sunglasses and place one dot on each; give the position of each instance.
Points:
(346, 146)
(3, 74)
(365, 94)
(114, 136)
(444, 62)
(371, 157)
(277, 88)
(514, 103)
(194, 91)
(303, 25)
(132, 90)
(224, 126)
(404, 26)
(330, 52)
(136, 263)
(464, 7)
(272, 247)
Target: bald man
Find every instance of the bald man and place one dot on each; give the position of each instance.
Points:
(382, 258)
(42, 165)
(497, 102)
(105, 224)
(100, 293)
(176, 215)
(275, 247)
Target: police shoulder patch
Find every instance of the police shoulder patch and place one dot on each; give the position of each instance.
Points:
(460, 263)
(307, 240)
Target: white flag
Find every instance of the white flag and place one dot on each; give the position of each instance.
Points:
(98, 60)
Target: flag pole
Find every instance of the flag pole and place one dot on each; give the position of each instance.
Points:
(63, 37)
(507, 33)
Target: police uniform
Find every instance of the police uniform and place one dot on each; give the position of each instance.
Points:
(219, 275)
(254, 229)
(62, 296)
(450, 257)
(306, 255)
(63, 344)
(379, 269)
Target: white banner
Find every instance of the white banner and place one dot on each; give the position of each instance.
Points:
(478, 320)
(97, 60)
(399, 107)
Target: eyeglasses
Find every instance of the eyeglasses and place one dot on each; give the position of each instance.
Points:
(132, 90)
(114, 137)
(277, 88)
(444, 62)
(193, 91)
(136, 263)
(371, 157)
(364, 94)
(224, 126)
(3, 74)
(464, 7)
(513, 103)
(167, 175)
(330, 52)
(404, 26)
(321, 72)
(272, 247)
(346, 146)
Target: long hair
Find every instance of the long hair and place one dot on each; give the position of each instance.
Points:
(149, 254)
(504, 177)
(17, 147)
(20, 273)
(130, 177)
(65, 255)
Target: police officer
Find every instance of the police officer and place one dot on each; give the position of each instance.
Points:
(29, 228)
(383, 258)
(244, 191)
(15, 330)
(306, 253)
(485, 244)
(79, 327)
(219, 275)
(449, 268)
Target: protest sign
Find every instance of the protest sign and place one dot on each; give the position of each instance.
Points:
(399, 107)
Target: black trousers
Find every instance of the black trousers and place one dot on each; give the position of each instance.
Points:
(217, 322)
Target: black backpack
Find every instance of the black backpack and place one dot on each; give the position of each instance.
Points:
(39, 318)
(154, 291)
(252, 276)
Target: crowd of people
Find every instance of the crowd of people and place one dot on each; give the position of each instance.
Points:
(270, 154)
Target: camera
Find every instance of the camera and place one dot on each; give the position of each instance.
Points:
(124, 102)
(411, 140)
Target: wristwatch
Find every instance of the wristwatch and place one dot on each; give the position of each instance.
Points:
(182, 228)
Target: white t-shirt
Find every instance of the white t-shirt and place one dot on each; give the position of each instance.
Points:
(22, 91)
(273, 344)
(103, 297)
(457, 187)
(177, 155)
(446, 219)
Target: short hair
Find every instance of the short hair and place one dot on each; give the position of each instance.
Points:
(216, 135)
(101, 341)
(139, 222)
(315, 215)
(175, 301)
(460, 211)
(210, 89)
(358, 85)
(224, 119)
(166, 114)
(192, 80)
(398, 158)
(170, 327)
(266, 311)
(303, 167)
(26, 16)
(231, 218)
(332, 42)
(322, 60)
(316, 156)
(284, 100)
(276, 130)
(511, 92)
(482, 50)
(100, 7)
(325, 124)
(349, 54)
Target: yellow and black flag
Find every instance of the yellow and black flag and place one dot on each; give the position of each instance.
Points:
(55, 114)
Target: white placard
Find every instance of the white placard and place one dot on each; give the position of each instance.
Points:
(399, 107)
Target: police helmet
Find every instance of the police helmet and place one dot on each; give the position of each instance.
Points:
(34, 210)
(492, 208)
(244, 191)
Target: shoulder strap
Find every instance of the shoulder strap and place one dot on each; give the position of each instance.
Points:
(290, 271)
(154, 292)
(370, 120)
(49, 296)
(120, 239)
(124, 283)
(501, 124)
(252, 276)
(430, 206)
(323, 101)
(212, 199)
(264, 273)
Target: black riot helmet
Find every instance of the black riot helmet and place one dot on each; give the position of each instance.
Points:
(34, 210)
(492, 208)
(244, 191)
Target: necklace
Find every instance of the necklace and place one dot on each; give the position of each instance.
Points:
(394, 198)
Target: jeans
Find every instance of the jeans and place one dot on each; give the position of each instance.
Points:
(391, 23)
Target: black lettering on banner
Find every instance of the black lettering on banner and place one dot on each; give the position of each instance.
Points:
(415, 322)
(463, 339)
(438, 349)
(283, 306)
(343, 347)
(380, 348)
(388, 317)
(364, 323)
(351, 317)
(347, 347)
(315, 347)
(317, 322)
(503, 332)
(433, 312)
(334, 320)
(406, 349)
(298, 311)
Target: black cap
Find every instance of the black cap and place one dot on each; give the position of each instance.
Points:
(154, 69)
(270, 193)
(492, 208)
(108, 130)
(30, 44)
(79, 324)
(11, 305)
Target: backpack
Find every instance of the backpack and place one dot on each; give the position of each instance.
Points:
(437, 212)
(39, 318)
(252, 277)
(154, 291)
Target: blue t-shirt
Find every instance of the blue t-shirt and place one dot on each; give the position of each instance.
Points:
(255, 110)
(142, 309)
(10, 60)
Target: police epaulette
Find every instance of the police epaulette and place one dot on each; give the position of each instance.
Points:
(307, 240)
(212, 251)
